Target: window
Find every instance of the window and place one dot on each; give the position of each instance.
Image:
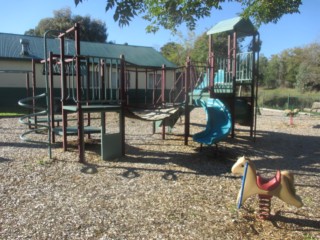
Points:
(153, 79)
(114, 80)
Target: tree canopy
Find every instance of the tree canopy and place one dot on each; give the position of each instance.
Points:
(171, 14)
(297, 67)
(91, 29)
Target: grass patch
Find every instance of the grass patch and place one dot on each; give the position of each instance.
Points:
(286, 98)
(10, 114)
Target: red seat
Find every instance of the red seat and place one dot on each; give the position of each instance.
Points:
(269, 184)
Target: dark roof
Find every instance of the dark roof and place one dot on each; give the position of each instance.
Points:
(242, 26)
(11, 48)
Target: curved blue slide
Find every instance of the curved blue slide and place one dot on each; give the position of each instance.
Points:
(218, 125)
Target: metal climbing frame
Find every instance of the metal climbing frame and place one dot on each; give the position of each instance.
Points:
(94, 84)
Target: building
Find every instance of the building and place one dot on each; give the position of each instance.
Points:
(144, 64)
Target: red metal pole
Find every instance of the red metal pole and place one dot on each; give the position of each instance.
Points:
(187, 112)
(229, 53)
(63, 93)
(137, 86)
(252, 98)
(102, 79)
(234, 68)
(51, 96)
(122, 103)
(34, 90)
(146, 88)
(154, 88)
(87, 92)
(79, 107)
(234, 53)
(27, 94)
(163, 89)
(211, 76)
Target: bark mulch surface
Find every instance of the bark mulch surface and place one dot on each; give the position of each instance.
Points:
(161, 189)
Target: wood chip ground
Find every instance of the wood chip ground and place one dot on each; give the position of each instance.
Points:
(161, 189)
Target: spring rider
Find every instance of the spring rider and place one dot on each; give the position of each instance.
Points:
(291, 114)
(281, 186)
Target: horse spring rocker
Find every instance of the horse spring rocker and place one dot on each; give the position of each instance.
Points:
(281, 186)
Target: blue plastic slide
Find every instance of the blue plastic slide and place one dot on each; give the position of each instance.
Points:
(218, 123)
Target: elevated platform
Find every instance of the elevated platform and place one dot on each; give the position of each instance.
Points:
(112, 145)
(93, 108)
(74, 130)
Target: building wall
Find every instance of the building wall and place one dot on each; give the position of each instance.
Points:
(13, 85)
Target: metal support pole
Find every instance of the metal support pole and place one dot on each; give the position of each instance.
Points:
(163, 91)
(47, 88)
(234, 64)
(63, 93)
(51, 96)
(187, 111)
(79, 107)
(256, 84)
(211, 74)
(252, 100)
(34, 91)
(122, 102)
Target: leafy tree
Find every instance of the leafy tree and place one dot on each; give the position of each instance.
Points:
(271, 75)
(199, 52)
(308, 76)
(91, 29)
(194, 47)
(291, 59)
(263, 66)
(174, 52)
(171, 14)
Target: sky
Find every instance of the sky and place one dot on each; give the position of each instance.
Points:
(293, 30)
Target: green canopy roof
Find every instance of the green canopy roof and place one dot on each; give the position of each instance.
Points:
(242, 26)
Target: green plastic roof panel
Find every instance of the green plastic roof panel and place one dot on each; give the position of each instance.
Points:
(243, 27)
(11, 48)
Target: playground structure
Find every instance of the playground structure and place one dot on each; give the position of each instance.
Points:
(232, 76)
(281, 186)
(91, 84)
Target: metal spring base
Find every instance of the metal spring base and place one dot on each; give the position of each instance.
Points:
(264, 206)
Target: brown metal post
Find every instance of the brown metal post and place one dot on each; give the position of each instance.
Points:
(146, 89)
(210, 45)
(87, 93)
(234, 53)
(122, 103)
(154, 88)
(137, 86)
(102, 63)
(254, 85)
(234, 68)
(79, 107)
(211, 74)
(34, 90)
(163, 101)
(187, 111)
(27, 95)
(229, 53)
(51, 96)
(63, 93)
